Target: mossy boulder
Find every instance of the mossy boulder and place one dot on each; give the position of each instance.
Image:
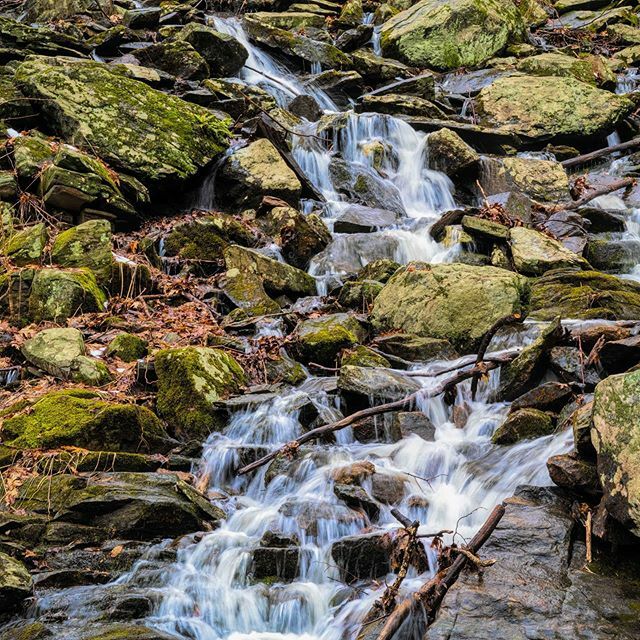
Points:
(534, 253)
(118, 505)
(90, 371)
(15, 290)
(123, 631)
(321, 339)
(374, 382)
(362, 356)
(30, 153)
(284, 369)
(294, 45)
(190, 382)
(15, 584)
(449, 153)
(54, 350)
(525, 371)
(52, 10)
(550, 107)
(299, 236)
(176, 57)
(155, 136)
(86, 245)
(128, 347)
(81, 418)
(27, 245)
(591, 69)
(613, 256)
(584, 295)
(378, 270)
(456, 302)
(15, 110)
(222, 52)
(58, 294)
(205, 237)
(523, 424)
(252, 280)
(359, 294)
(616, 437)
(253, 172)
(446, 35)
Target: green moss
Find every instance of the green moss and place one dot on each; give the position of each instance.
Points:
(522, 425)
(321, 339)
(363, 356)
(27, 246)
(57, 295)
(190, 381)
(127, 347)
(81, 418)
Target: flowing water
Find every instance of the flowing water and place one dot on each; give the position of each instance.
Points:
(449, 483)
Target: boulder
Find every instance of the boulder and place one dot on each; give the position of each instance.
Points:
(58, 294)
(27, 245)
(541, 180)
(117, 631)
(549, 396)
(251, 278)
(357, 498)
(534, 253)
(415, 423)
(362, 356)
(142, 18)
(87, 245)
(358, 218)
(387, 488)
(523, 424)
(299, 236)
(377, 383)
(255, 171)
(570, 472)
(616, 437)
(18, 40)
(155, 136)
(175, 57)
(15, 584)
(30, 154)
(361, 557)
(550, 107)
(456, 302)
(190, 381)
(617, 356)
(321, 339)
(449, 153)
(459, 33)
(415, 348)
(568, 363)
(613, 256)
(584, 295)
(305, 106)
(378, 270)
(80, 418)
(222, 52)
(275, 564)
(591, 69)
(127, 347)
(524, 372)
(359, 295)
(377, 70)
(400, 105)
(54, 350)
(119, 505)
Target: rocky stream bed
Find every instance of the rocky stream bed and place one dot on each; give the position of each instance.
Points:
(293, 295)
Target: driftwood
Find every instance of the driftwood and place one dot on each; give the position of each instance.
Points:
(428, 598)
(588, 197)
(599, 153)
(269, 131)
(291, 447)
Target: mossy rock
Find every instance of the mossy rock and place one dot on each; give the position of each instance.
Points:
(54, 350)
(15, 291)
(43, 11)
(90, 371)
(285, 369)
(584, 295)
(80, 418)
(176, 57)
(190, 381)
(128, 347)
(206, 237)
(156, 137)
(456, 302)
(255, 171)
(362, 356)
(15, 110)
(534, 253)
(27, 245)
(446, 35)
(449, 153)
(359, 294)
(591, 69)
(616, 437)
(320, 340)
(123, 631)
(57, 295)
(550, 107)
(523, 424)
(87, 245)
(15, 584)
(18, 40)
(378, 270)
(222, 52)
(30, 154)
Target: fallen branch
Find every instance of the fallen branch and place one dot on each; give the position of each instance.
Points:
(431, 594)
(599, 191)
(319, 432)
(496, 357)
(599, 153)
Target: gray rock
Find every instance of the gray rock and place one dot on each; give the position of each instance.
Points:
(361, 557)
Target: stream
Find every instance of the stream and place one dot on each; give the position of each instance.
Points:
(207, 592)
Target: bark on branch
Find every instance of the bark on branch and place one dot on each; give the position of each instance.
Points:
(588, 197)
(599, 153)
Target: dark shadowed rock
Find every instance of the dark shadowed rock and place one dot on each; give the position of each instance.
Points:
(361, 557)
(306, 106)
(357, 498)
(523, 424)
(568, 471)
